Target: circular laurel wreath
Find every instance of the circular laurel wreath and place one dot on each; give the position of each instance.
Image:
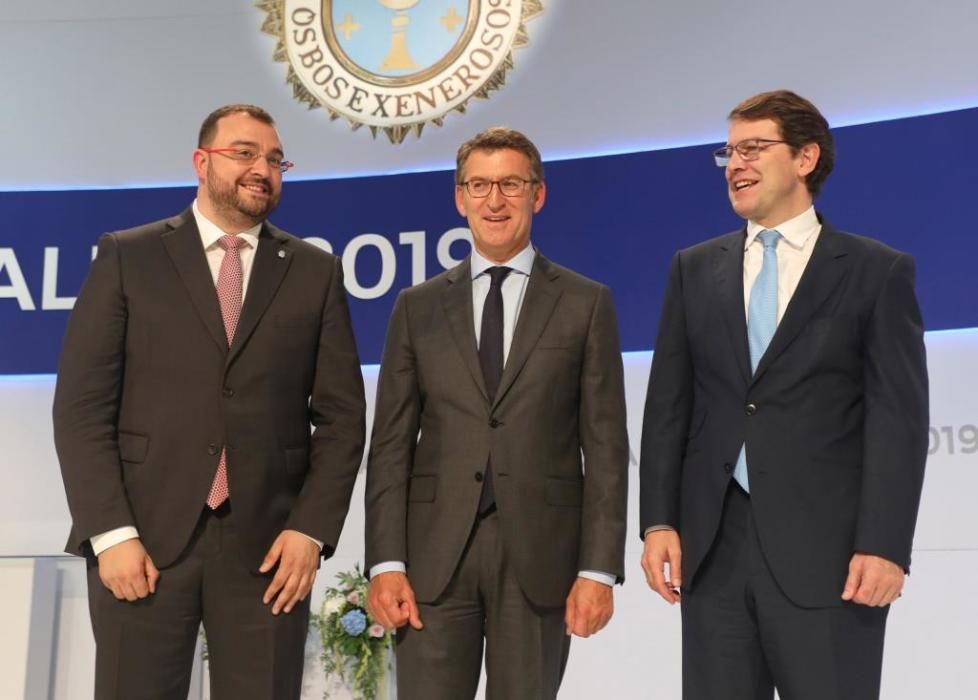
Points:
(275, 25)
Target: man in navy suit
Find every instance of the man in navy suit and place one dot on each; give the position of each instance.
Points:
(785, 430)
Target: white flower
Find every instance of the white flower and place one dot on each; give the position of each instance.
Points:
(375, 630)
(353, 598)
(333, 605)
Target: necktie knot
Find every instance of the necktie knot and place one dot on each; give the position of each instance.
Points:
(497, 274)
(229, 242)
(769, 237)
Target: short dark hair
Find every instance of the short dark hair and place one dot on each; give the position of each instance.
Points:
(209, 128)
(496, 138)
(800, 123)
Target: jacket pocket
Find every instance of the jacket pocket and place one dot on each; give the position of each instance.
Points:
(564, 492)
(133, 446)
(296, 460)
(422, 488)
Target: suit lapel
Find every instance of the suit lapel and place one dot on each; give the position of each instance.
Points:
(272, 260)
(538, 305)
(825, 270)
(182, 243)
(457, 302)
(730, 284)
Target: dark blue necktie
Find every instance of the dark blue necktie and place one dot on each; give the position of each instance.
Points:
(491, 358)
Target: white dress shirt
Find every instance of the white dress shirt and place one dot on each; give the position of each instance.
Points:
(798, 236)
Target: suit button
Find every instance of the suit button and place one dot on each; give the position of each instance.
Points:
(228, 392)
(212, 449)
(750, 409)
(478, 476)
(728, 467)
(495, 422)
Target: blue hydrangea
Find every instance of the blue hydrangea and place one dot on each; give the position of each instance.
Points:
(354, 622)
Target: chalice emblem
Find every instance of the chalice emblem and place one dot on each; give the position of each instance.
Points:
(398, 57)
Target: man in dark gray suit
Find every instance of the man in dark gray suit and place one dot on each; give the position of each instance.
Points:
(785, 430)
(199, 351)
(496, 481)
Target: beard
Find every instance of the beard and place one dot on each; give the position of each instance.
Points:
(228, 199)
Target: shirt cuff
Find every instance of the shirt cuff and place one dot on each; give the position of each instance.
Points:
(102, 542)
(313, 539)
(385, 567)
(657, 528)
(599, 576)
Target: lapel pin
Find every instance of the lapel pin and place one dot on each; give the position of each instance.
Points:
(281, 253)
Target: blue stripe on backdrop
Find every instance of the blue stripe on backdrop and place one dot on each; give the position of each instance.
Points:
(617, 219)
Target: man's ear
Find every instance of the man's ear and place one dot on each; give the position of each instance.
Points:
(460, 200)
(539, 196)
(808, 156)
(200, 163)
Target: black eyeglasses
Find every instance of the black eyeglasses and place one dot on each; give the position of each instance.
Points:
(748, 149)
(508, 186)
(250, 155)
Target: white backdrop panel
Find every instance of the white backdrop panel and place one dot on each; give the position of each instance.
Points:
(931, 638)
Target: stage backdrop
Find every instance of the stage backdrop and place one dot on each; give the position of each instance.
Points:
(617, 218)
(930, 644)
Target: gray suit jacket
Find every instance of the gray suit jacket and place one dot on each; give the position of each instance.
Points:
(561, 398)
(148, 393)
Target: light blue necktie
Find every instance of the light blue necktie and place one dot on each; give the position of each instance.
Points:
(762, 321)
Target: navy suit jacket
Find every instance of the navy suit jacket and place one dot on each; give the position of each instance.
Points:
(835, 418)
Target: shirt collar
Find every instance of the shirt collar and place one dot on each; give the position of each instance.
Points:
(795, 231)
(211, 232)
(521, 262)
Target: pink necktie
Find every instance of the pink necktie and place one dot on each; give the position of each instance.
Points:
(229, 294)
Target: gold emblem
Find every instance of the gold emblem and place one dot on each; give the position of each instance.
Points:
(396, 65)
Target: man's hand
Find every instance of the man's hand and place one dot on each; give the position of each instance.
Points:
(127, 570)
(297, 557)
(590, 605)
(662, 547)
(873, 580)
(390, 601)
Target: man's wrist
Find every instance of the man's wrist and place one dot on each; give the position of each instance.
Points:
(657, 528)
(599, 576)
(103, 541)
(311, 539)
(385, 567)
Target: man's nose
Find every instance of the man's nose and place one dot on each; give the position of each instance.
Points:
(736, 161)
(496, 197)
(261, 166)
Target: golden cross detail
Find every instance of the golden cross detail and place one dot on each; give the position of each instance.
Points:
(450, 19)
(348, 26)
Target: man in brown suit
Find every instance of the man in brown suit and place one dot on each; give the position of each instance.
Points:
(199, 351)
(496, 482)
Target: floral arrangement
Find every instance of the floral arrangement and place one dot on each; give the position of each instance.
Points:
(355, 648)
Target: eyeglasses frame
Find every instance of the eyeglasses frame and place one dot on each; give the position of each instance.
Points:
(498, 185)
(722, 155)
(283, 167)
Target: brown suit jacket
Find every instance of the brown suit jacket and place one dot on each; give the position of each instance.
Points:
(148, 393)
(555, 431)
